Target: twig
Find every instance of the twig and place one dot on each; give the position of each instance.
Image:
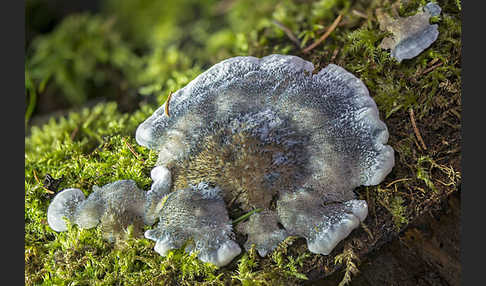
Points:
(415, 129)
(334, 54)
(131, 150)
(75, 131)
(232, 201)
(288, 32)
(455, 150)
(447, 185)
(416, 143)
(396, 181)
(434, 61)
(224, 6)
(453, 111)
(359, 14)
(323, 37)
(420, 189)
(419, 73)
(365, 227)
(245, 216)
(427, 70)
(167, 104)
(38, 181)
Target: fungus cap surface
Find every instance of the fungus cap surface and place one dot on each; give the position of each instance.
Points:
(270, 134)
(116, 206)
(63, 206)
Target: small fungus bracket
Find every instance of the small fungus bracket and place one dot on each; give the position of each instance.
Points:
(411, 35)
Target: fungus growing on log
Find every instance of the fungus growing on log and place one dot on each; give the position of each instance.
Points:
(265, 137)
(268, 134)
(115, 206)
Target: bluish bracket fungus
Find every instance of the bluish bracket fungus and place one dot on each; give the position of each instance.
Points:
(114, 206)
(411, 35)
(196, 213)
(253, 134)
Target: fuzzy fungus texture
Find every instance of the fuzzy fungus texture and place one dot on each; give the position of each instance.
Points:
(265, 134)
(248, 134)
(197, 213)
(114, 206)
(411, 35)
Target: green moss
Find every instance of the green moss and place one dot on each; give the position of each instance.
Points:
(349, 259)
(458, 3)
(424, 166)
(397, 86)
(245, 273)
(287, 263)
(398, 211)
(283, 269)
(82, 55)
(395, 205)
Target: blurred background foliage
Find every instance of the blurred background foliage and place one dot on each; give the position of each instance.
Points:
(133, 51)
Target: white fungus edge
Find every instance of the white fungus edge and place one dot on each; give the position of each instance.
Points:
(327, 239)
(57, 211)
(223, 255)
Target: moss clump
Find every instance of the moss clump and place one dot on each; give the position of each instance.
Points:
(424, 174)
(398, 211)
(349, 259)
(81, 56)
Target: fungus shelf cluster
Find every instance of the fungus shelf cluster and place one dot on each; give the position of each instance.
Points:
(247, 134)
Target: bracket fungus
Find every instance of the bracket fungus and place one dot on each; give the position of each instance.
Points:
(411, 35)
(270, 134)
(114, 206)
(264, 134)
